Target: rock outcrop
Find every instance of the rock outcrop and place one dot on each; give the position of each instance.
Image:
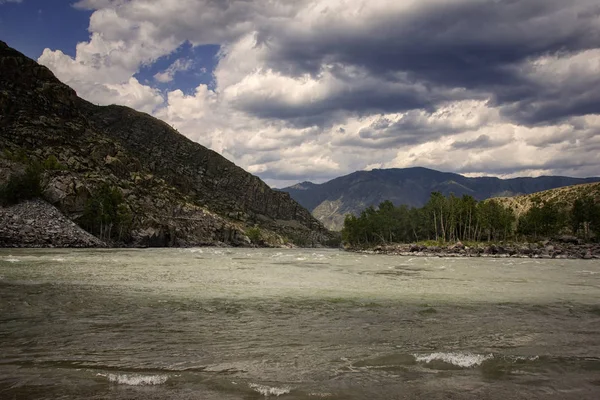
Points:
(179, 192)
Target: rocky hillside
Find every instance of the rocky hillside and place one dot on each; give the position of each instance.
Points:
(170, 190)
(331, 201)
(564, 195)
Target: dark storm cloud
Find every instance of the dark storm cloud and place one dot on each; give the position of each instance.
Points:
(356, 94)
(322, 113)
(478, 46)
(413, 128)
(540, 104)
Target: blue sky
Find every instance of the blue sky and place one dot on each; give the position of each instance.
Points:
(314, 89)
(30, 26)
(203, 61)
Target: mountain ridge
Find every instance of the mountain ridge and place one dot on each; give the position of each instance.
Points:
(352, 193)
(178, 192)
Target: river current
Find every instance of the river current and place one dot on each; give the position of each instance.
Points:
(213, 323)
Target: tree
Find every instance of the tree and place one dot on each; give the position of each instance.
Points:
(543, 219)
(442, 218)
(107, 215)
(585, 217)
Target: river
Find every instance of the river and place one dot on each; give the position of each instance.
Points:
(214, 323)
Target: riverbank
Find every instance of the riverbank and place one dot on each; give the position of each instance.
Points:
(38, 224)
(563, 248)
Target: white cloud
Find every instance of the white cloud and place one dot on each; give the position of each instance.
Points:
(314, 89)
(178, 66)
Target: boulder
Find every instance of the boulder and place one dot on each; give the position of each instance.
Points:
(415, 248)
(567, 239)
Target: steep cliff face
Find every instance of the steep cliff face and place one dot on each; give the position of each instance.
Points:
(179, 192)
(195, 170)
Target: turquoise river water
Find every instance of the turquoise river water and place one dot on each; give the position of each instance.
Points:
(213, 323)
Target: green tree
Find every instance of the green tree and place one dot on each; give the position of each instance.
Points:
(543, 219)
(107, 215)
(585, 217)
(442, 219)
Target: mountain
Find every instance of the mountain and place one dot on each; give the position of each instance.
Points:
(173, 191)
(331, 201)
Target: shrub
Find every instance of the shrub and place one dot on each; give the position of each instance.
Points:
(16, 156)
(51, 164)
(254, 234)
(21, 187)
(300, 240)
(27, 185)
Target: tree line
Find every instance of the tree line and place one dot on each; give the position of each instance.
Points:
(451, 219)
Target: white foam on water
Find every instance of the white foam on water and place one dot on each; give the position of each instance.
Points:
(524, 358)
(269, 390)
(59, 259)
(136, 380)
(301, 258)
(463, 360)
(11, 259)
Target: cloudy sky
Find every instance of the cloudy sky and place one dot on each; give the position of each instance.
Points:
(314, 89)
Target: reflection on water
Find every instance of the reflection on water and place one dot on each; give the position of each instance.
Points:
(295, 324)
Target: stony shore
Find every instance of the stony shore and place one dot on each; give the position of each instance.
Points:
(36, 223)
(566, 247)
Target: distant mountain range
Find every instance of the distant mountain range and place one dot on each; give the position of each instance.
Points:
(329, 202)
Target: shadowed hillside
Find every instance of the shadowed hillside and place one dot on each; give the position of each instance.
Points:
(127, 176)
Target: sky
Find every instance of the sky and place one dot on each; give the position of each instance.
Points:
(314, 89)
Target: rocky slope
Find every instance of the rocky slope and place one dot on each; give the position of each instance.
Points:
(565, 195)
(331, 201)
(38, 224)
(179, 192)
